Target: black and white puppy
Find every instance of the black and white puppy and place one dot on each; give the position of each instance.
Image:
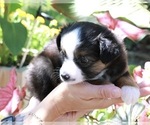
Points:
(83, 51)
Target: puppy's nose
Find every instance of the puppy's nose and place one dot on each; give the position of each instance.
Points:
(65, 77)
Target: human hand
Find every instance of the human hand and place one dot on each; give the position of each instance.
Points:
(68, 102)
(78, 99)
(144, 88)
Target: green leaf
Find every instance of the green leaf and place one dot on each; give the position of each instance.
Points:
(14, 35)
(131, 68)
(64, 8)
(11, 6)
(129, 43)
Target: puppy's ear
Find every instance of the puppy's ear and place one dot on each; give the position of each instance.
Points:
(58, 39)
(109, 49)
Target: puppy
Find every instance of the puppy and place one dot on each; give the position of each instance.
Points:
(84, 52)
(42, 74)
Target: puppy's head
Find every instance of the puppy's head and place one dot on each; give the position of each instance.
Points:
(86, 49)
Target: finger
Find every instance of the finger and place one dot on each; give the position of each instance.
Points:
(88, 91)
(103, 91)
(145, 91)
(144, 83)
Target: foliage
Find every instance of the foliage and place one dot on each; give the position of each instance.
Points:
(15, 29)
(40, 30)
(25, 29)
(99, 116)
(11, 96)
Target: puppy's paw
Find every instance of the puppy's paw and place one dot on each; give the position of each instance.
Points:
(130, 94)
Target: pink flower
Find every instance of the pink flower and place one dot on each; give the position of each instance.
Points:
(142, 76)
(120, 28)
(138, 74)
(144, 118)
(6, 93)
(11, 96)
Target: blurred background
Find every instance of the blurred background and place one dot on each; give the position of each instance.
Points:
(26, 26)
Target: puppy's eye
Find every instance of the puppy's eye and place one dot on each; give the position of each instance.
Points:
(63, 53)
(84, 60)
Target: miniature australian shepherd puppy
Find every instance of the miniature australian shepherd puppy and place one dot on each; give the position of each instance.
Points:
(83, 51)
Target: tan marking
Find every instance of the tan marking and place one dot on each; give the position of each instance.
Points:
(126, 81)
(98, 66)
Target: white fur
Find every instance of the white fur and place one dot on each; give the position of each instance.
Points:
(99, 75)
(74, 72)
(130, 94)
(69, 43)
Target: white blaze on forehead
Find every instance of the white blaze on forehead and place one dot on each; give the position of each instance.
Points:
(70, 41)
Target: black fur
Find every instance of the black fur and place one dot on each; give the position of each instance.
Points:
(100, 46)
(43, 76)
